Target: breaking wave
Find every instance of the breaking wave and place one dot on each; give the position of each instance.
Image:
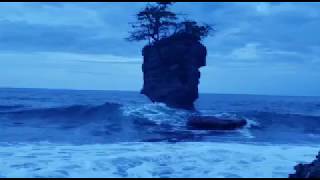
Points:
(114, 122)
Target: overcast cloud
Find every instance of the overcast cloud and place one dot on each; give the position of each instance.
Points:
(258, 48)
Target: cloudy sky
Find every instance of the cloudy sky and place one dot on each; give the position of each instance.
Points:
(258, 48)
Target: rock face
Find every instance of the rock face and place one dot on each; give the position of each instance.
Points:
(311, 170)
(171, 70)
(214, 123)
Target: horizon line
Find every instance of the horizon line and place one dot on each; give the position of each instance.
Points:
(203, 93)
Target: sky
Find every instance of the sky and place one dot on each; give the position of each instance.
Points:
(257, 48)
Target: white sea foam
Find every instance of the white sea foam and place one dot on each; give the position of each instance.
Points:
(201, 159)
(158, 113)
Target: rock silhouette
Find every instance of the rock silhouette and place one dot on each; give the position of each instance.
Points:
(311, 170)
(202, 122)
(171, 70)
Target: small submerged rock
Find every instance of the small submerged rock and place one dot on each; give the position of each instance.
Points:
(214, 123)
(311, 170)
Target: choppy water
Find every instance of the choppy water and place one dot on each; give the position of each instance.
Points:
(122, 134)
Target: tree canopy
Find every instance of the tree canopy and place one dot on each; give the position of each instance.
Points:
(156, 21)
(193, 28)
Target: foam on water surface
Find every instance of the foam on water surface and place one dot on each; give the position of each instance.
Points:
(199, 159)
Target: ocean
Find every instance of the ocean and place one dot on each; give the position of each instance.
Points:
(87, 133)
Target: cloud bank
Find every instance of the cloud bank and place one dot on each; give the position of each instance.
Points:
(258, 48)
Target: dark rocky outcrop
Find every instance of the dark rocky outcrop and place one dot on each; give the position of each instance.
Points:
(214, 123)
(171, 70)
(311, 170)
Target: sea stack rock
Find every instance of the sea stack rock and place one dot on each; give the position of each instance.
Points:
(171, 70)
(311, 170)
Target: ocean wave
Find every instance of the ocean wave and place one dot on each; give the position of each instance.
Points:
(11, 107)
(283, 120)
(77, 112)
(156, 160)
(151, 122)
(109, 122)
(154, 113)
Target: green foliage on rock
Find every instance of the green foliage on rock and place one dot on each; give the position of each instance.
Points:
(156, 22)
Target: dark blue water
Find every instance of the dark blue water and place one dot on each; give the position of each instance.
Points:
(90, 117)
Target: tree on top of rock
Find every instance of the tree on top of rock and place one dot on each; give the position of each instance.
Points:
(156, 21)
(192, 28)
